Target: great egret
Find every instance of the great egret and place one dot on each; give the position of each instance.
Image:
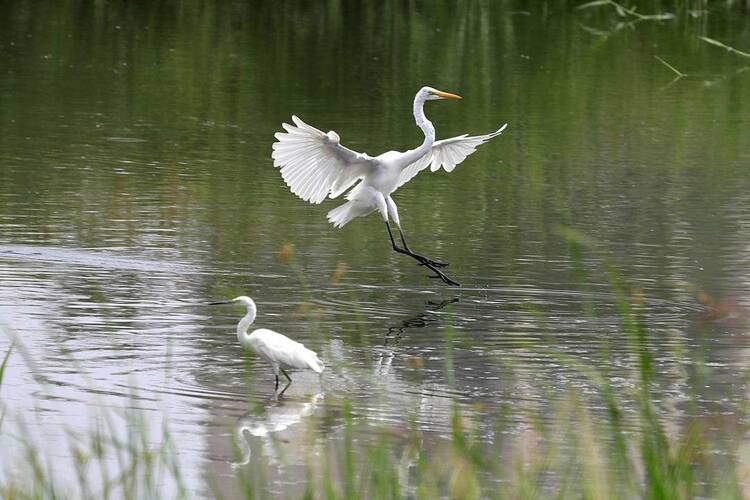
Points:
(315, 165)
(279, 350)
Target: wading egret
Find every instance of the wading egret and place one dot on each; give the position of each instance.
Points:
(315, 165)
(279, 350)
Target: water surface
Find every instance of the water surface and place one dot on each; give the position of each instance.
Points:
(136, 185)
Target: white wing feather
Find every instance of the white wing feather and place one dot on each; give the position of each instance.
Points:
(447, 154)
(413, 169)
(280, 349)
(314, 164)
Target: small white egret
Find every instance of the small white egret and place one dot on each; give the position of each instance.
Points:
(315, 165)
(279, 350)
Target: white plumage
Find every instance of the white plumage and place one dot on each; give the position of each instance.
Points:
(279, 350)
(447, 153)
(315, 165)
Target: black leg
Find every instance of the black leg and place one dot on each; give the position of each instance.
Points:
(287, 376)
(284, 389)
(277, 382)
(422, 260)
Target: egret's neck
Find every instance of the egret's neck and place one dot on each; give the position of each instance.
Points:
(429, 132)
(244, 447)
(244, 325)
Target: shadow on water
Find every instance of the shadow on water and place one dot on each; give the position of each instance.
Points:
(419, 321)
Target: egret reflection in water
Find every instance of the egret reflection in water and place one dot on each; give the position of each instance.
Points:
(278, 417)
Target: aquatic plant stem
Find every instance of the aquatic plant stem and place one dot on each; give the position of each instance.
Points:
(625, 11)
(724, 46)
(676, 71)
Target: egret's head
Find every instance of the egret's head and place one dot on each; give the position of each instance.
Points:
(242, 299)
(430, 94)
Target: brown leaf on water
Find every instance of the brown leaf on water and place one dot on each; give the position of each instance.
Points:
(723, 309)
(637, 296)
(286, 253)
(341, 268)
(414, 362)
(301, 310)
(478, 407)
(704, 299)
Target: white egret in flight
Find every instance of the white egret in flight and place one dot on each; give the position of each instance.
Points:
(315, 165)
(279, 350)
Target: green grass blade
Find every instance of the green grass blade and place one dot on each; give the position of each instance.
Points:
(5, 363)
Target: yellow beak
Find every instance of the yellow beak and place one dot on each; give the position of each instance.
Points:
(447, 95)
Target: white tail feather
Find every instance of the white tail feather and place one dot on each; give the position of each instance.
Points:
(315, 363)
(342, 214)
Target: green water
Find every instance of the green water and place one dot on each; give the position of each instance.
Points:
(136, 183)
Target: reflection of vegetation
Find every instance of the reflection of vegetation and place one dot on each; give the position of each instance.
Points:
(150, 126)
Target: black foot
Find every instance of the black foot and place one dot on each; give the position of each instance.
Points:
(441, 275)
(423, 261)
(446, 279)
(432, 265)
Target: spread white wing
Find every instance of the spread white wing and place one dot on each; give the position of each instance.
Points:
(447, 154)
(314, 164)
